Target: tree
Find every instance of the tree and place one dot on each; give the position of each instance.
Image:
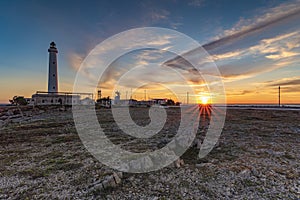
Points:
(19, 101)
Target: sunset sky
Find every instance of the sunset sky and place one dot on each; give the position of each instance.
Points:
(255, 44)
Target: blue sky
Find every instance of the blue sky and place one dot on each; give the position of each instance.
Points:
(254, 43)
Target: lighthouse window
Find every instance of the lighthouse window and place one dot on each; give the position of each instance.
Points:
(53, 62)
(53, 75)
(53, 87)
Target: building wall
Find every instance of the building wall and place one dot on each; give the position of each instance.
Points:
(55, 100)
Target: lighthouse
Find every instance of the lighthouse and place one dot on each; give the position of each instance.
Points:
(53, 96)
(52, 76)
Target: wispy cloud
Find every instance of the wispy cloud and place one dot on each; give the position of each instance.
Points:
(293, 81)
(158, 14)
(175, 25)
(229, 55)
(278, 47)
(270, 18)
(288, 85)
(115, 47)
(234, 72)
(240, 92)
(196, 3)
(276, 50)
(75, 60)
(282, 54)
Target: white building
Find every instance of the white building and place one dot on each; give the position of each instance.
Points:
(59, 98)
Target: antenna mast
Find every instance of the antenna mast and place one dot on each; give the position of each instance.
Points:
(279, 96)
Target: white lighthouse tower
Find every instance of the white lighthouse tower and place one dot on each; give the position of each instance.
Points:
(52, 76)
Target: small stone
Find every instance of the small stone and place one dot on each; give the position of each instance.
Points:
(204, 165)
(4, 117)
(116, 178)
(181, 162)
(9, 113)
(120, 174)
(245, 173)
(141, 164)
(98, 187)
(178, 163)
(105, 184)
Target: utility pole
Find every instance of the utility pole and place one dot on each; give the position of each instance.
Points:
(99, 94)
(279, 96)
(187, 98)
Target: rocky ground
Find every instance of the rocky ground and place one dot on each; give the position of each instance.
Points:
(42, 157)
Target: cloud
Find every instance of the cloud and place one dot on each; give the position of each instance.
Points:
(274, 48)
(293, 81)
(158, 14)
(282, 54)
(234, 72)
(196, 3)
(152, 14)
(229, 55)
(270, 18)
(148, 56)
(175, 25)
(240, 92)
(267, 55)
(75, 60)
(116, 46)
(291, 89)
(278, 48)
(287, 85)
(280, 37)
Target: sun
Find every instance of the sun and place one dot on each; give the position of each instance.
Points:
(204, 100)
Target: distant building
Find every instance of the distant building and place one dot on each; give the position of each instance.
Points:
(159, 101)
(117, 99)
(143, 103)
(123, 102)
(104, 102)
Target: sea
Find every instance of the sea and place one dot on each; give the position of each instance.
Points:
(3, 105)
(265, 106)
